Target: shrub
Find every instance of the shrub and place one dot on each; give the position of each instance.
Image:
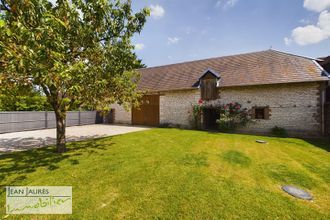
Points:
(169, 125)
(232, 116)
(164, 125)
(279, 132)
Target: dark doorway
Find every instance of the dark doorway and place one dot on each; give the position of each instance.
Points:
(105, 117)
(327, 119)
(327, 112)
(210, 116)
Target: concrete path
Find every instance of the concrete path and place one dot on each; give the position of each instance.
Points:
(18, 141)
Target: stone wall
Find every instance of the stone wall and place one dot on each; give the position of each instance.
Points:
(295, 107)
(121, 115)
(176, 107)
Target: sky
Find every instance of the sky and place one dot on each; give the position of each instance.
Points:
(185, 30)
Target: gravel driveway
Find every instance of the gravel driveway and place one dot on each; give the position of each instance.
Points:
(18, 141)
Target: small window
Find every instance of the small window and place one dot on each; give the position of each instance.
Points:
(260, 113)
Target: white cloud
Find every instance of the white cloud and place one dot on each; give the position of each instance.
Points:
(311, 34)
(156, 11)
(324, 22)
(173, 40)
(317, 5)
(225, 4)
(53, 2)
(139, 46)
(287, 41)
(304, 21)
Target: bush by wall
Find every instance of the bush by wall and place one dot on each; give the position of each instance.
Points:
(279, 132)
(232, 116)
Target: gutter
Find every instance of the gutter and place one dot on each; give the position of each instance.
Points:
(170, 90)
(232, 86)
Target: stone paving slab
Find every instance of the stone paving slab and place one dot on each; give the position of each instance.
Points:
(18, 141)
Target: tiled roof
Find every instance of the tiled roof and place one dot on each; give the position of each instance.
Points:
(257, 68)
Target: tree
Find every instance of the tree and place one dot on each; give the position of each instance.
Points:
(23, 99)
(79, 52)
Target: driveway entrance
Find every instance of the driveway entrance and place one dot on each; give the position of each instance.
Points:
(25, 140)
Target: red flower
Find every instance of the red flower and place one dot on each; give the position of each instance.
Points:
(200, 101)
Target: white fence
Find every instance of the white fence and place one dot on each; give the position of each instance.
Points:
(28, 120)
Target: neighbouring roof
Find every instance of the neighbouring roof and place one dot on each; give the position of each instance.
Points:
(325, 63)
(257, 68)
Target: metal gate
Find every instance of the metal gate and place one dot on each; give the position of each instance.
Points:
(30, 120)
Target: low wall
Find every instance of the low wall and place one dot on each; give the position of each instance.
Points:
(29, 120)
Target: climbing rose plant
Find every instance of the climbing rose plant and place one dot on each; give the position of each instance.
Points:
(197, 114)
(232, 116)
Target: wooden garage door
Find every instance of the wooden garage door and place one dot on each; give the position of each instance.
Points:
(148, 113)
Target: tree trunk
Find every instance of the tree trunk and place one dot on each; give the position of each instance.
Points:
(60, 131)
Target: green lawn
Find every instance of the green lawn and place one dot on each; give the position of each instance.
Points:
(171, 173)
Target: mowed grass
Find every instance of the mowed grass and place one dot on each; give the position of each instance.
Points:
(181, 174)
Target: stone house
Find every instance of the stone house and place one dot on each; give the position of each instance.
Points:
(278, 89)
